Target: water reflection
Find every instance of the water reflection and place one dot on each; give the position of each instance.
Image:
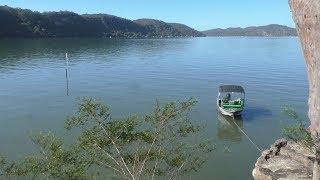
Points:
(252, 113)
(38, 52)
(228, 129)
(67, 80)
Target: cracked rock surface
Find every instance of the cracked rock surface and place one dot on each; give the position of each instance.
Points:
(285, 160)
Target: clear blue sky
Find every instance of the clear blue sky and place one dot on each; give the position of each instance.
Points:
(198, 14)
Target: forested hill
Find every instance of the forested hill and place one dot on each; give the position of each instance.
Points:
(269, 30)
(156, 27)
(16, 22)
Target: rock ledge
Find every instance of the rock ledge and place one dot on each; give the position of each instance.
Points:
(285, 160)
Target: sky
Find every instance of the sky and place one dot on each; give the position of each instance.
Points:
(198, 14)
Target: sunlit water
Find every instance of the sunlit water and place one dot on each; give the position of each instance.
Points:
(129, 75)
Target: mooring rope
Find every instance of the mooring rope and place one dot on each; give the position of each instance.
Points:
(254, 144)
(257, 101)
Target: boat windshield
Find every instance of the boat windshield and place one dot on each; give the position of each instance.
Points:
(231, 96)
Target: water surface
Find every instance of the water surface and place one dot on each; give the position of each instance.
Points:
(129, 75)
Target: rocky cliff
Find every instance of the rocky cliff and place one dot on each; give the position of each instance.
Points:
(285, 160)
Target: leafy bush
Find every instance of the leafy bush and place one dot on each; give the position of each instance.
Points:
(164, 143)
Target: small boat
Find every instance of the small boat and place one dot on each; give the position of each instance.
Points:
(230, 100)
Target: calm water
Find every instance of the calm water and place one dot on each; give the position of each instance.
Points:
(129, 75)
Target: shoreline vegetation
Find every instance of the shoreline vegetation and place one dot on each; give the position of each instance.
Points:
(163, 144)
(16, 22)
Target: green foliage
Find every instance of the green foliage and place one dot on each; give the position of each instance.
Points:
(227, 149)
(54, 161)
(297, 132)
(156, 28)
(163, 143)
(289, 111)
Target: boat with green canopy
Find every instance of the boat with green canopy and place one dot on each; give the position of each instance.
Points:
(230, 100)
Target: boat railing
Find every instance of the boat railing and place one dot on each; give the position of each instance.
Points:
(233, 103)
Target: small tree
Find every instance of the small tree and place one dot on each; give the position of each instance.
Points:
(164, 143)
(297, 132)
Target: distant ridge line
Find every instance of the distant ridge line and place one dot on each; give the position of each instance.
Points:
(272, 30)
(16, 22)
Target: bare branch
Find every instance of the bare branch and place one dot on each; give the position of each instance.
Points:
(155, 166)
(175, 173)
(153, 141)
(111, 167)
(109, 155)
(118, 151)
(158, 129)
(136, 161)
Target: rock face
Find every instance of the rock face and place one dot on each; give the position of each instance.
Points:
(306, 14)
(285, 160)
(292, 161)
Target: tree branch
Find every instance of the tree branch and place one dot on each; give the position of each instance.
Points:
(174, 174)
(155, 166)
(118, 151)
(109, 155)
(153, 141)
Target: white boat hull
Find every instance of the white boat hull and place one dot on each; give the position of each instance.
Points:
(230, 112)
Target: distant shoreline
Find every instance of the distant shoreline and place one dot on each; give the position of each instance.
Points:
(16, 22)
(122, 38)
(271, 30)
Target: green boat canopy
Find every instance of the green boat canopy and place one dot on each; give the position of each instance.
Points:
(231, 88)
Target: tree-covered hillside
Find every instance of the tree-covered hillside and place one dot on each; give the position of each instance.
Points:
(269, 30)
(16, 22)
(156, 28)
